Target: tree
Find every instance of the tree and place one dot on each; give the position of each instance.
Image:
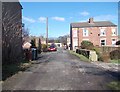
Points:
(87, 45)
(33, 43)
(25, 34)
(63, 39)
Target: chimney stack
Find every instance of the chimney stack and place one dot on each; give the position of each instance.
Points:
(90, 20)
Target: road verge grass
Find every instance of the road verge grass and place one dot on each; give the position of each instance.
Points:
(82, 58)
(10, 69)
(115, 61)
(115, 85)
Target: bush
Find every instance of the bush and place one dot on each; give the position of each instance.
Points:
(44, 47)
(115, 54)
(83, 52)
(105, 57)
(87, 45)
(33, 43)
(82, 58)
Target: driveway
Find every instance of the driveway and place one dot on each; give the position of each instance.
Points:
(60, 71)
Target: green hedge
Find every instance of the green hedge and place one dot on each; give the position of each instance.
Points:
(87, 45)
(83, 52)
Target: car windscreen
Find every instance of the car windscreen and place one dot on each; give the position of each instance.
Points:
(52, 46)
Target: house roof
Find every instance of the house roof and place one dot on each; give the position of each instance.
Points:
(94, 24)
(26, 45)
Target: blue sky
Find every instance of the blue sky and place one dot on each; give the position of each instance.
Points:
(61, 14)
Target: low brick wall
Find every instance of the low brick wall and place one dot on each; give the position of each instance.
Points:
(111, 51)
(108, 48)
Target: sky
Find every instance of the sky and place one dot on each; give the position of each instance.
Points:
(61, 14)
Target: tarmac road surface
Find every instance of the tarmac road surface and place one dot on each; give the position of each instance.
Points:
(60, 71)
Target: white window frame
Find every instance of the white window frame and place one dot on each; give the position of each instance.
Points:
(87, 33)
(75, 43)
(103, 39)
(114, 30)
(101, 32)
(75, 32)
(85, 39)
(115, 40)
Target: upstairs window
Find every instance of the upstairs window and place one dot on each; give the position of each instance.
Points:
(85, 32)
(114, 32)
(102, 32)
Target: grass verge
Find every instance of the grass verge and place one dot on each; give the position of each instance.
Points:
(82, 58)
(11, 69)
(115, 61)
(115, 85)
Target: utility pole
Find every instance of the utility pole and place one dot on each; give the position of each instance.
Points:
(47, 31)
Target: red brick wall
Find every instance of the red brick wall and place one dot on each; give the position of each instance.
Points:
(94, 36)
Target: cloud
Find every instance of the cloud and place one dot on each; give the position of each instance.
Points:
(71, 17)
(113, 18)
(84, 13)
(83, 20)
(105, 17)
(28, 19)
(42, 19)
(58, 18)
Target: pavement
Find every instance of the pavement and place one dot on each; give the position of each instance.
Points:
(61, 71)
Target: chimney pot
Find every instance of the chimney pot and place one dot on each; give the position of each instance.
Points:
(90, 20)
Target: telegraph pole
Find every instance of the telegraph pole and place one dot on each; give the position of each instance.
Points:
(47, 31)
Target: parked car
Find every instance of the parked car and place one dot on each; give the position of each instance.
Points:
(52, 48)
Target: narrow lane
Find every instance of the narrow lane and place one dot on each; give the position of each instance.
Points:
(60, 71)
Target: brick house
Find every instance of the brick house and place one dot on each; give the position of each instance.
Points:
(99, 33)
(11, 32)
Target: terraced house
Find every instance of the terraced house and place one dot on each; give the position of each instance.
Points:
(100, 33)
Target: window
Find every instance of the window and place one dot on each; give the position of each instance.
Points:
(113, 41)
(85, 32)
(103, 42)
(102, 32)
(113, 32)
(75, 33)
(85, 39)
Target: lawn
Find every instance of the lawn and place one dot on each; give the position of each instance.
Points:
(82, 58)
(115, 85)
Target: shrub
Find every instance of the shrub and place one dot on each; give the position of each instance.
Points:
(83, 58)
(115, 54)
(33, 43)
(44, 47)
(83, 52)
(102, 56)
(105, 57)
(87, 45)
